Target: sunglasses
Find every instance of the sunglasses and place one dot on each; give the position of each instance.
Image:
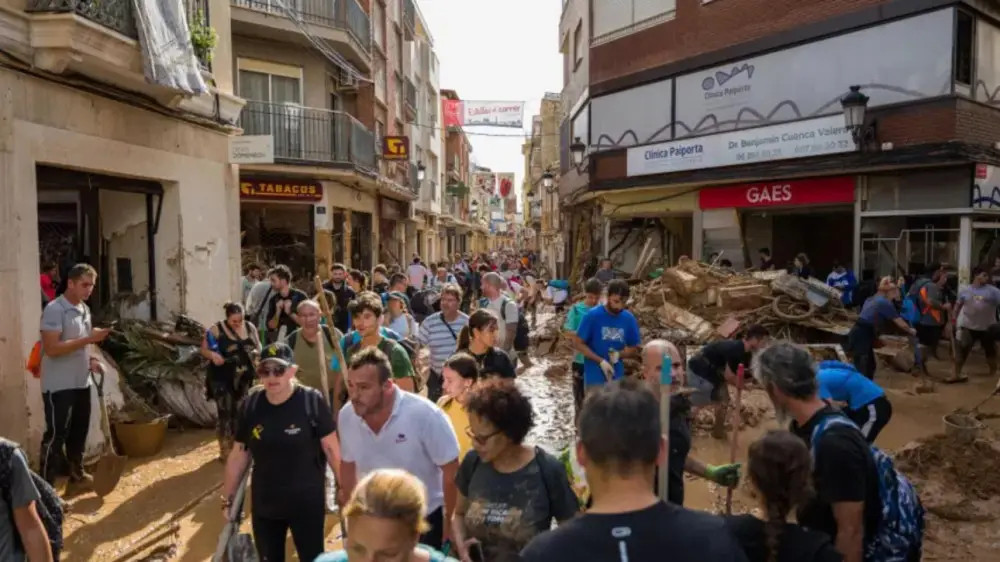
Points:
(264, 372)
(481, 439)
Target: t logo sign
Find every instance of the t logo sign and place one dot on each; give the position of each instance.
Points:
(396, 148)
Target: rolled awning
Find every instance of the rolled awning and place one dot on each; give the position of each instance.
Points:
(649, 202)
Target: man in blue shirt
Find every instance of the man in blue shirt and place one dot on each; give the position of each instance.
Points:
(606, 335)
(862, 400)
(875, 313)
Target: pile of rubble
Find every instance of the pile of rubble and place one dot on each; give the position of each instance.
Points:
(694, 303)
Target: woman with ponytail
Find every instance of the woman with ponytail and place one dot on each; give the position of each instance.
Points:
(780, 471)
(478, 338)
(357, 280)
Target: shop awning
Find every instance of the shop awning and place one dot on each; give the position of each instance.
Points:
(648, 202)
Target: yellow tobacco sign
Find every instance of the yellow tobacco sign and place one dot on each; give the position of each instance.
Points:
(396, 148)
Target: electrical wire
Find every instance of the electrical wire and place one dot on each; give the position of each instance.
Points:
(333, 56)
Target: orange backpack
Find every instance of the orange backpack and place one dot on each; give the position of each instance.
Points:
(34, 364)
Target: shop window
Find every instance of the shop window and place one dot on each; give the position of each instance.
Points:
(965, 26)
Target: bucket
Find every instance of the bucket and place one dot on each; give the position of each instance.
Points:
(141, 439)
(962, 428)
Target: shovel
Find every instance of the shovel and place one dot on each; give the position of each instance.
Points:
(110, 466)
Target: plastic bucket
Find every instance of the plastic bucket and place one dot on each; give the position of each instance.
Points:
(962, 428)
(141, 439)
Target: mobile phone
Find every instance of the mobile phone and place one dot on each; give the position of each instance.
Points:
(476, 552)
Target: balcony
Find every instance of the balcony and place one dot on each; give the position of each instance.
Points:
(98, 39)
(409, 20)
(308, 135)
(342, 23)
(410, 101)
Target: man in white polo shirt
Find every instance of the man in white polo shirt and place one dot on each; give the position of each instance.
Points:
(385, 427)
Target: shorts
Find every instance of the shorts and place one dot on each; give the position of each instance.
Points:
(966, 340)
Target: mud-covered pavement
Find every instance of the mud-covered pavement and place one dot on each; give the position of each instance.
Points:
(171, 501)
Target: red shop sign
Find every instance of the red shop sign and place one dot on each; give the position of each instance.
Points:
(815, 191)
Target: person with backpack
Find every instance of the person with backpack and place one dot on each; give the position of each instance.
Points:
(439, 332)
(366, 311)
(513, 335)
(303, 343)
(478, 338)
(341, 289)
(30, 511)
(876, 313)
(398, 316)
(927, 294)
(607, 334)
(863, 401)
(508, 491)
(780, 473)
(231, 347)
(287, 430)
(871, 510)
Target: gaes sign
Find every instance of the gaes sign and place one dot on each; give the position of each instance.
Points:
(814, 191)
(396, 148)
(277, 190)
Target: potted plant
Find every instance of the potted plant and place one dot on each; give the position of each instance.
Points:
(203, 38)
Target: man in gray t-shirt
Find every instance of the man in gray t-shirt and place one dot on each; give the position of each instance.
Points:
(976, 312)
(22, 534)
(66, 365)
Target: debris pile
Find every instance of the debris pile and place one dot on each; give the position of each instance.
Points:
(161, 366)
(694, 303)
(755, 409)
(966, 468)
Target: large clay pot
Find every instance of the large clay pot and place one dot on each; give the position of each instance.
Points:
(141, 439)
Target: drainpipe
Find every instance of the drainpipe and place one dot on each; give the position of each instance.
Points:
(152, 226)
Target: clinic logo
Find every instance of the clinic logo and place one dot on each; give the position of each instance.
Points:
(256, 431)
(721, 77)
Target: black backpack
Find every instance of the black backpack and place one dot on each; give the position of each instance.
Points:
(48, 506)
(521, 340)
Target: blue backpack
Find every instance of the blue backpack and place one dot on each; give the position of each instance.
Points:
(910, 312)
(901, 528)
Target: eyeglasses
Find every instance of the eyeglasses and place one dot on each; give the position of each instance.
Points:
(264, 372)
(481, 439)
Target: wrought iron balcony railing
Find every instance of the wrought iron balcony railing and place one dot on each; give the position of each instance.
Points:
(115, 15)
(308, 134)
(342, 14)
(411, 95)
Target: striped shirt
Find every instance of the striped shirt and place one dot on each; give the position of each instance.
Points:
(434, 332)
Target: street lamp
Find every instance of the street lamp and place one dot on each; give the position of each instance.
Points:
(547, 180)
(855, 106)
(421, 169)
(577, 150)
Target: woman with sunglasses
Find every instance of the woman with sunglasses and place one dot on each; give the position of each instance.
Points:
(478, 338)
(386, 518)
(230, 347)
(508, 491)
(287, 429)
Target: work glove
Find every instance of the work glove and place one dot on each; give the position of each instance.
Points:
(727, 475)
(609, 371)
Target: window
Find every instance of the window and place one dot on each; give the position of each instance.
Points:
(578, 45)
(612, 19)
(269, 82)
(380, 79)
(965, 26)
(378, 19)
(274, 104)
(399, 97)
(379, 135)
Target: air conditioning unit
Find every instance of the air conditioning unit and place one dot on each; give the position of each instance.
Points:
(347, 81)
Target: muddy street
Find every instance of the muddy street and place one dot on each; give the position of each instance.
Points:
(167, 507)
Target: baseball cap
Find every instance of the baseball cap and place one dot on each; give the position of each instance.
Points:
(277, 352)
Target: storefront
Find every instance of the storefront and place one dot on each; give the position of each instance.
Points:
(277, 222)
(813, 216)
(392, 247)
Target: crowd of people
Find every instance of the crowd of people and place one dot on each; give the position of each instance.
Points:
(401, 386)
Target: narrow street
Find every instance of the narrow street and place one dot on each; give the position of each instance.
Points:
(168, 505)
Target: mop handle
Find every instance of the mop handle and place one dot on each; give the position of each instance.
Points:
(734, 442)
(666, 379)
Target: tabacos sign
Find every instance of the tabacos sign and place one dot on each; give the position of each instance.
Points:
(815, 191)
(280, 190)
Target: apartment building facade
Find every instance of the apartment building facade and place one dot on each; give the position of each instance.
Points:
(713, 135)
(457, 192)
(99, 164)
